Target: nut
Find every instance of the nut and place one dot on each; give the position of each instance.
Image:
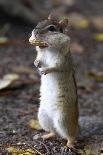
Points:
(37, 42)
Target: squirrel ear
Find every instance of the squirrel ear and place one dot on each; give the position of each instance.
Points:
(50, 16)
(64, 22)
(53, 16)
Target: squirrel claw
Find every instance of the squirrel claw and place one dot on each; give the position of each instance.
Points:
(45, 71)
(70, 143)
(37, 63)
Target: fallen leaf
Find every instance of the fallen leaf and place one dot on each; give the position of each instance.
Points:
(3, 40)
(29, 151)
(78, 21)
(98, 76)
(13, 81)
(11, 77)
(7, 80)
(76, 48)
(34, 124)
(98, 37)
(16, 151)
(4, 83)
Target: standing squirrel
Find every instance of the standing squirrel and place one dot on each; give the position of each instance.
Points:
(58, 112)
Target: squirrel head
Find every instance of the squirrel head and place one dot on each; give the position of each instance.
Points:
(52, 31)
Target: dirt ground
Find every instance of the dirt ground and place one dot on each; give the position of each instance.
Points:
(18, 105)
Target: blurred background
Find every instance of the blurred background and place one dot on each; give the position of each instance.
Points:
(20, 81)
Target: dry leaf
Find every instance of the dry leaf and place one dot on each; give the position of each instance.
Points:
(11, 77)
(4, 83)
(76, 48)
(29, 151)
(3, 40)
(16, 151)
(98, 76)
(98, 37)
(13, 81)
(34, 124)
(78, 21)
(7, 80)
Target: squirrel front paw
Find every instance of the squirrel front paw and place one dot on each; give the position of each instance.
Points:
(37, 63)
(45, 71)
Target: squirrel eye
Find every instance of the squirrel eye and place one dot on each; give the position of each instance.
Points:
(51, 28)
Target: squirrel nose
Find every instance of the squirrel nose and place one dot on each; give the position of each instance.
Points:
(35, 32)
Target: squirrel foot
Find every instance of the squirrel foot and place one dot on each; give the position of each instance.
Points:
(48, 136)
(70, 143)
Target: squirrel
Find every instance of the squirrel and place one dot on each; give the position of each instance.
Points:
(58, 111)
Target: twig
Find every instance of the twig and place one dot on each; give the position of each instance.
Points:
(37, 151)
(44, 145)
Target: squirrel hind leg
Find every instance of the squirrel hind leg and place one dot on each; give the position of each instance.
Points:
(45, 121)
